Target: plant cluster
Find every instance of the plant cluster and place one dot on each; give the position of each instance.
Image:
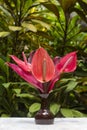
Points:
(60, 26)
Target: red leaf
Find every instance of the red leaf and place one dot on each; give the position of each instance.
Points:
(27, 76)
(42, 65)
(23, 64)
(68, 63)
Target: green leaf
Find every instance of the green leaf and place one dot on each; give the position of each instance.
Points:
(71, 85)
(17, 90)
(6, 85)
(54, 108)
(66, 112)
(44, 24)
(15, 28)
(29, 26)
(5, 11)
(4, 34)
(34, 107)
(77, 113)
(71, 113)
(29, 115)
(26, 95)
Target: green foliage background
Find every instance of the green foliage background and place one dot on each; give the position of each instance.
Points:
(58, 27)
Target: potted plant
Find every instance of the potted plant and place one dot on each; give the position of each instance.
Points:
(42, 72)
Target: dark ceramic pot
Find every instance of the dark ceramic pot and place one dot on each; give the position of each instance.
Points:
(44, 116)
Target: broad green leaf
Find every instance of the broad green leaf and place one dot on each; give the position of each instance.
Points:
(29, 26)
(15, 28)
(71, 85)
(6, 85)
(4, 34)
(54, 108)
(44, 24)
(66, 112)
(17, 90)
(26, 95)
(29, 114)
(71, 113)
(34, 107)
(77, 113)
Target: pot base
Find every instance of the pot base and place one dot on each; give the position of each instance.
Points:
(44, 121)
(44, 116)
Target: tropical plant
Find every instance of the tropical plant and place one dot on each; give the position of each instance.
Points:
(23, 25)
(41, 71)
(61, 29)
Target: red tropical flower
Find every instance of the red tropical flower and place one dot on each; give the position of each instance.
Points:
(42, 69)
